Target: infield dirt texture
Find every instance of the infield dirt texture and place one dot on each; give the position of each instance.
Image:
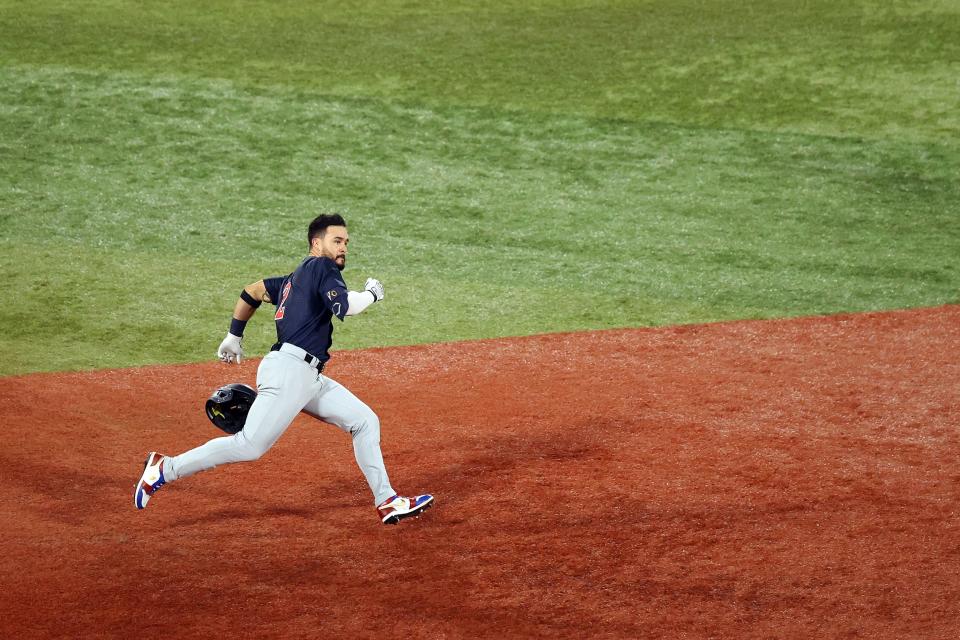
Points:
(778, 479)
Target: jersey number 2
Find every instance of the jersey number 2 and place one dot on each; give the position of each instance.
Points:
(283, 299)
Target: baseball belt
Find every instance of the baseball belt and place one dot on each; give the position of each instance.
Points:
(309, 358)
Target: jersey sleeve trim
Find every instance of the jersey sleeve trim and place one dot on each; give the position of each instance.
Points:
(273, 286)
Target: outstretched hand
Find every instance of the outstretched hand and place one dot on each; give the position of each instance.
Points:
(230, 349)
(375, 287)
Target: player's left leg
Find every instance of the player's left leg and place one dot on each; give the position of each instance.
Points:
(335, 404)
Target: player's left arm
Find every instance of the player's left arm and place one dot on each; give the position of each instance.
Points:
(357, 301)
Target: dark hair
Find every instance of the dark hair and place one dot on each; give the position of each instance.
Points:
(319, 226)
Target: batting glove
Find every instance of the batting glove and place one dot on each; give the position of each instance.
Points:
(230, 349)
(375, 287)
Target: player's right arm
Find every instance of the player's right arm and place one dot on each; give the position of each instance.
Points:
(250, 299)
(257, 291)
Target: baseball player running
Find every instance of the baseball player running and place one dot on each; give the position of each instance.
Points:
(290, 378)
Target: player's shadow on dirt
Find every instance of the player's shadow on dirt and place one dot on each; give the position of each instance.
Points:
(483, 462)
(256, 513)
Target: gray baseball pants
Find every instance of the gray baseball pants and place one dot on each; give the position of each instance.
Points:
(286, 385)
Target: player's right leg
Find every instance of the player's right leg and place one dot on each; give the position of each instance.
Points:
(284, 384)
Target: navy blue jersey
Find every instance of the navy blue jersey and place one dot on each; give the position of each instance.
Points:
(306, 301)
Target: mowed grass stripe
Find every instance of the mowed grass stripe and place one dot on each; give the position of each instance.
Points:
(863, 68)
(149, 201)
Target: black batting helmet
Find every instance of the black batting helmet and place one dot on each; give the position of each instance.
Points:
(228, 406)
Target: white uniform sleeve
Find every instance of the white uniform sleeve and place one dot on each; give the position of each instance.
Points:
(357, 301)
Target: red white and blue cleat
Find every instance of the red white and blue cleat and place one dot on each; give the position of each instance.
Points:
(150, 480)
(395, 509)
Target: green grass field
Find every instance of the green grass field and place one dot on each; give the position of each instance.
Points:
(506, 168)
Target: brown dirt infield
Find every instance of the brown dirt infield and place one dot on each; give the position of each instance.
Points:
(788, 479)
